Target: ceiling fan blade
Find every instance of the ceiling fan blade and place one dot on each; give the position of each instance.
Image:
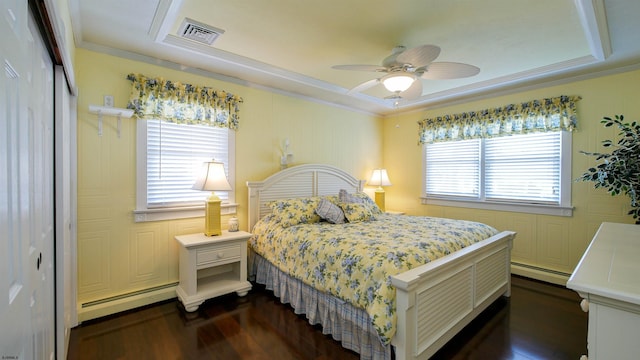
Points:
(364, 86)
(449, 70)
(376, 68)
(419, 56)
(414, 91)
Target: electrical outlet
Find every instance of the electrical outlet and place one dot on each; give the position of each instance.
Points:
(108, 100)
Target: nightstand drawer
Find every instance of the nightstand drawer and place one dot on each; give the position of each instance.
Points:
(218, 255)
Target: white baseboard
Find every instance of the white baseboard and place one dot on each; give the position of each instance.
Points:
(97, 309)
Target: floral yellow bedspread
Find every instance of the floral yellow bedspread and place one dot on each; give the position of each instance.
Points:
(354, 261)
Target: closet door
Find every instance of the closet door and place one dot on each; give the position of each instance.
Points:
(41, 205)
(14, 242)
(26, 188)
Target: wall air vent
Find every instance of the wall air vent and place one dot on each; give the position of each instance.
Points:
(196, 31)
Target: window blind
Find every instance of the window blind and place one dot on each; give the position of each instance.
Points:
(510, 169)
(453, 168)
(175, 153)
(523, 167)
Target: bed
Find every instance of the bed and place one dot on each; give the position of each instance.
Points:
(429, 301)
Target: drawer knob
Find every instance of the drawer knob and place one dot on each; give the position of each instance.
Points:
(220, 255)
(584, 305)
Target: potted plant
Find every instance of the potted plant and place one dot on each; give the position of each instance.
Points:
(619, 171)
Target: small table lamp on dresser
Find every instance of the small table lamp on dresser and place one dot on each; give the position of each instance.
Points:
(212, 178)
(380, 178)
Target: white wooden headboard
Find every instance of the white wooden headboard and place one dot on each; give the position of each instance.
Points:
(298, 181)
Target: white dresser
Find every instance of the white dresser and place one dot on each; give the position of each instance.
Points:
(608, 279)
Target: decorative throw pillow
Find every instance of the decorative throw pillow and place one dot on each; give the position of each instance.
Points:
(345, 197)
(355, 212)
(359, 198)
(330, 212)
(290, 212)
(334, 199)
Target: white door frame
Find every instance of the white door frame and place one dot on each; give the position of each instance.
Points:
(66, 190)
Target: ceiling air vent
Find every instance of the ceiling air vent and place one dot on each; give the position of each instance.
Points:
(193, 30)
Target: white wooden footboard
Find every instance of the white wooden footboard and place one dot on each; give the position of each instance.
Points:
(435, 301)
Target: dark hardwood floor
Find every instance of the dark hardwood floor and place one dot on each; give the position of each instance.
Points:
(539, 321)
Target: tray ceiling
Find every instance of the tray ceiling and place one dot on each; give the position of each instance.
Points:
(290, 46)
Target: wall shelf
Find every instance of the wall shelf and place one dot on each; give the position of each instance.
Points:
(110, 111)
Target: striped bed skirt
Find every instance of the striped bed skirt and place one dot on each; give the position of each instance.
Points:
(346, 323)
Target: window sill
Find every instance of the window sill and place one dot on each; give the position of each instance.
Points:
(145, 215)
(521, 208)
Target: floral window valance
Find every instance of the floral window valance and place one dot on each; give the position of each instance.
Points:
(552, 114)
(182, 103)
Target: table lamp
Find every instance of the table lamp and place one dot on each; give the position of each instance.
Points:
(212, 178)
(380, 178)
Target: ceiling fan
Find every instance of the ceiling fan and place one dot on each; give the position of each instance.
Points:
(404, 66)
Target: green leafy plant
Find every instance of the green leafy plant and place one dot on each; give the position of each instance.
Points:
(619, 171)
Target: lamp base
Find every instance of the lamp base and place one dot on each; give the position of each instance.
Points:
(212, 226)
(380, 199)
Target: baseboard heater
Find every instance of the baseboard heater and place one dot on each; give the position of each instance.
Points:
(127, 295)
(114, 304)
(540, 273)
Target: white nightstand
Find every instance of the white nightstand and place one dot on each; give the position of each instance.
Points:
(211, 266)
(391, 212)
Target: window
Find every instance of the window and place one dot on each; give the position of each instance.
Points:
(169, 157)
(525, 173)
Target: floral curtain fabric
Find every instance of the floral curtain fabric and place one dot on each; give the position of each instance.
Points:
(182, 103)
(552, 114)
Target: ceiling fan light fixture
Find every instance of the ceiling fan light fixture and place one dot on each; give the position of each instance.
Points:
(397, 82)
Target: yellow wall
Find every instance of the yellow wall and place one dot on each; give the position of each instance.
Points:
(550, 242)
(117, 256)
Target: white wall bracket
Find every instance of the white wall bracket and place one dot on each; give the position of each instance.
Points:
(110, 111)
